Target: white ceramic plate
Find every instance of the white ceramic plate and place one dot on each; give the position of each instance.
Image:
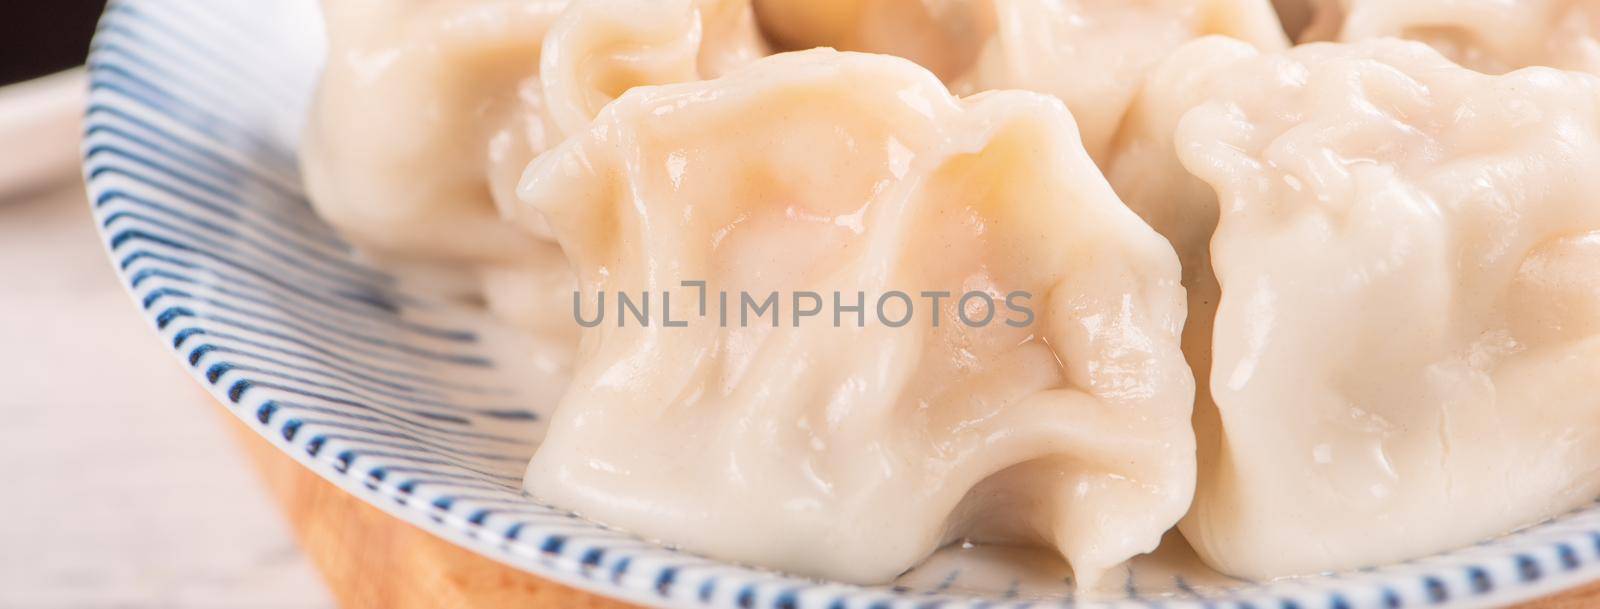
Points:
(189, 152)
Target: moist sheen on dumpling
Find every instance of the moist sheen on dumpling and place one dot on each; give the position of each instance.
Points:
(1405, 350)
(429, 110)
(943, 36)
(1492, 36)
(1143, 167)
(852, 451)
(1092, 54)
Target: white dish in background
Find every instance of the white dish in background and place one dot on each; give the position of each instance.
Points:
(194, 111)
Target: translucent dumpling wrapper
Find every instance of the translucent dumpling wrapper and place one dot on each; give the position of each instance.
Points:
(944, 36)
(1493, 36)
(1092, 54)
(1407, 252)
(843, 445)
(1144, 169)
(602, 48)
(429, 110)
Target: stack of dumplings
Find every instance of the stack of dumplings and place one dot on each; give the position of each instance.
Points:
(1317, 307)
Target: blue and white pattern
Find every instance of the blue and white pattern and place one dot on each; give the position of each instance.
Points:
(189, 153)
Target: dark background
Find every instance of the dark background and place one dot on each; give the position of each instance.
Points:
(38, 37)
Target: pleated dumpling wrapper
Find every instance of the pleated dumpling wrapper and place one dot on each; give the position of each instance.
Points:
(851, 443)
(1408, 339)
(429, 110)
(1145, 171)
(1493, 36)
(944, 36)
(1093, 54)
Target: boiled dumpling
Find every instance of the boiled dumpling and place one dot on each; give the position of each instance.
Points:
(944, 36)
(1093, 54)
(1492, 36)
(843, 444)
(601, 48)
(418, 126)
(429, 110)
(1144, 169)
(1406, 252)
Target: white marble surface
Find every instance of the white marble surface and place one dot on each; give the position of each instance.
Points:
(121, 488)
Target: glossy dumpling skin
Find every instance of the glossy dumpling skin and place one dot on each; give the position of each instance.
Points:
(429, 110)
(1143, 168)
(1092, 54)
(853, 452)
(1406, 346)
(1493, 36)
(944, 36)
(416, 128)
(601, 48)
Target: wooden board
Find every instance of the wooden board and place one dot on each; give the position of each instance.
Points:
(372, 560)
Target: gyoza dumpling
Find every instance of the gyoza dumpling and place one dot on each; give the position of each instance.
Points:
(1144, 170)
(417, 126)
(429, 110)
(944, 36)
(1409, 321)
(853, 451)
(1492, 36)
(1093, 54)
(601, 48)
